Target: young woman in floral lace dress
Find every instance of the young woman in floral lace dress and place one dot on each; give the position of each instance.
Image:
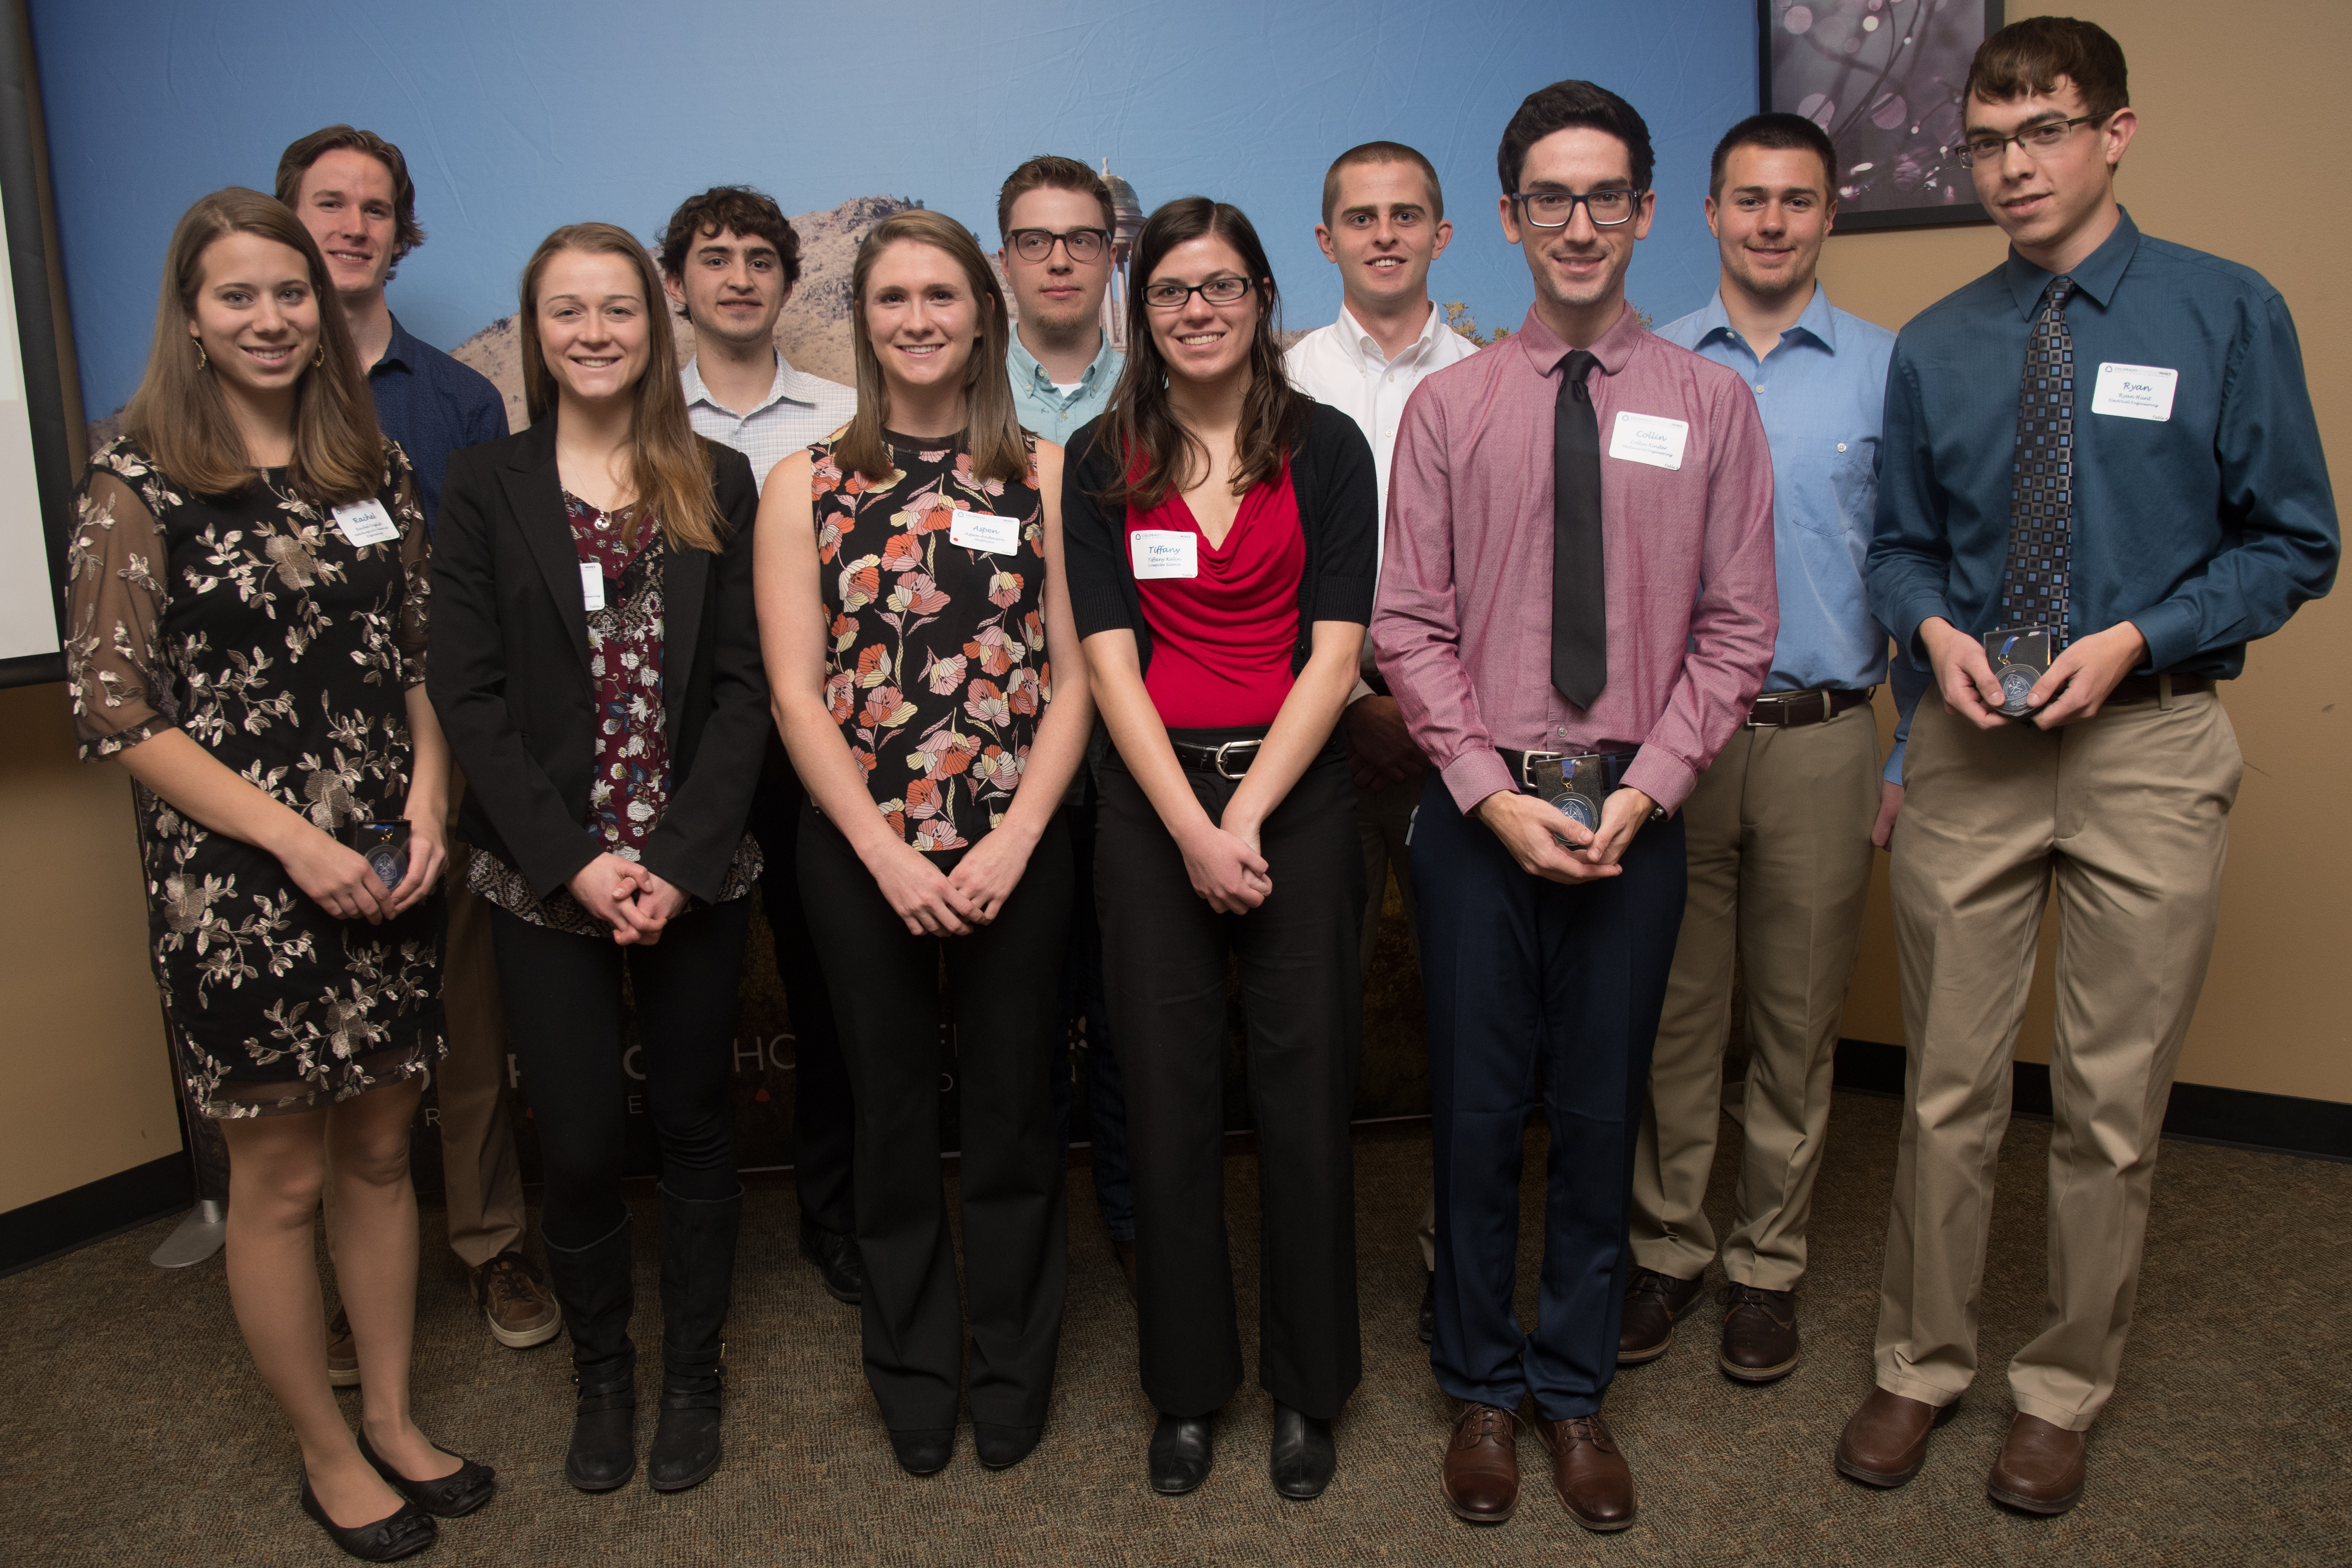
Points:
(910, 591)
(247, 623)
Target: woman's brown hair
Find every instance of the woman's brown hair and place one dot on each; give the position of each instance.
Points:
(993, 427)
(668, 469)
(1154, 451)
(179, 413)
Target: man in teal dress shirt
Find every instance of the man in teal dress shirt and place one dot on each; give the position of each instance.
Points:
(1061, 363)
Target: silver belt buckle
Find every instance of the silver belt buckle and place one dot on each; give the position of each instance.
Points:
(1528, 761)
(1228, 747)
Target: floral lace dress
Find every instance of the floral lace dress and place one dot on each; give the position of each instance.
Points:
(255, 625)
(935, 662)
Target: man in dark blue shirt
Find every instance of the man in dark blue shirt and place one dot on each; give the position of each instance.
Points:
(2104, 445)
(350, 188)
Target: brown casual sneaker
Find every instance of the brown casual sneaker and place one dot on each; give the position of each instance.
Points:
(1594, 1483)
(342, 1352)
(1652, 1303)
(1760, 1334)
(1481, 1465)
(519, 1305)
(2039, 1468)
(1885, 1441)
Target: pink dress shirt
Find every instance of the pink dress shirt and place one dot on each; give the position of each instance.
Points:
(1462, 625)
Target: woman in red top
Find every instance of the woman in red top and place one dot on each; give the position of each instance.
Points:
(1222, 532)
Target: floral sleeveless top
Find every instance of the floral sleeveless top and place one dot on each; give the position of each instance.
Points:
(935, 663)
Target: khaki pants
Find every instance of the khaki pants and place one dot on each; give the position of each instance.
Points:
(1779, 842)
(1382, 819)
(481, 1178)
(2126, 817)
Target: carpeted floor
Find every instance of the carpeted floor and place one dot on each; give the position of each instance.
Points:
(136, 1433)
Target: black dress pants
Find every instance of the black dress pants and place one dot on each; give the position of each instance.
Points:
(563, 999)
(824, 1124)
(1003, 985)
(1164, 956)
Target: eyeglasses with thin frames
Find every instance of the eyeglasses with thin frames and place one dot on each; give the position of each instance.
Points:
(2036, 138)
(1036, 244)
(1216, 291)
(1555, 209)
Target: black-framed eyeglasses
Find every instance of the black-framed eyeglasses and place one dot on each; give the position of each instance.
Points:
(1216, 291)
(1036, 244)
(2036, 138)
(1553, 209)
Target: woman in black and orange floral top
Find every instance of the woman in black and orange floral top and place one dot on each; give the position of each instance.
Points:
(910, 589)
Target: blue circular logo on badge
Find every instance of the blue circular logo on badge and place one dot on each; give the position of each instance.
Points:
(2014, 684)
(389, 865)
(1578, 810)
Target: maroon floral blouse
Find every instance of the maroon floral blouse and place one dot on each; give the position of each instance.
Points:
(936, 664)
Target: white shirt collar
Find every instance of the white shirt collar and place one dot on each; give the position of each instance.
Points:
(1351, 332)
(785, 388)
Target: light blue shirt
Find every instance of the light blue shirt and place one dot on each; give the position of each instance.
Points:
(1821, 390)
(1045, 410)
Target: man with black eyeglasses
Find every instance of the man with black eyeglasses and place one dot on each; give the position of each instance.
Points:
(1576, 610)
(2100, 471)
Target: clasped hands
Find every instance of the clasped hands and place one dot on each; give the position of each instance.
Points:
(1533, 830)
(627, 897)
(2078, 681)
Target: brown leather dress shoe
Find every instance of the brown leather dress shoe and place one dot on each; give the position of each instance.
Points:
(1594, 1483)
(1481, 1465)
(1652, 1303)
(1885, 1441)
(2039, 1468)
(1760, 1334)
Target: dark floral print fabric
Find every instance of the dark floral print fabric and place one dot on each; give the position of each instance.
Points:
(935, 661)
(255, 625)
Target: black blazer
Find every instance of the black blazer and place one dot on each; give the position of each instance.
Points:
(506, 668)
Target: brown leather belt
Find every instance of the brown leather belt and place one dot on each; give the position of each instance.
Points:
(2145, 688)
(1787, 710)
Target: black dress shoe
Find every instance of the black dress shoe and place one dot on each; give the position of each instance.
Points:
(1183, 1452)
(923, 1450)
(452, 1496)
(1303, 1456)
(1001, 1447)
(838, 1262)
(401, 1534)
(1429, 1308)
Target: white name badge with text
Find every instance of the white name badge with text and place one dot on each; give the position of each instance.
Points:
(1165, 552)
(979, 531)
(1649, 438)
(366, 523)
(592, 587)
(2135, 392)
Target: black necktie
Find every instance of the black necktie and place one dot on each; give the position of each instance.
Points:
(2033, 579)
(1579, 597)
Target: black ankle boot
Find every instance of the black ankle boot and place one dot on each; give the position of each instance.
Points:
(698, 1242)
(594, 1287)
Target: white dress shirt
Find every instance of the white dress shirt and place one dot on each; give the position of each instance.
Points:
(1344, 366)
(798, 411)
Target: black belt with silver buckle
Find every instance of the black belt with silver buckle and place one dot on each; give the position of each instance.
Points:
(1612, 764)
(1227, 759)
(1787, 710)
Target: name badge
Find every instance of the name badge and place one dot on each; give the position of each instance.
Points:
(1649, 438)
(1165, 552)
(592, 587)
(367, 523)
(979, 531)
(2135, 392)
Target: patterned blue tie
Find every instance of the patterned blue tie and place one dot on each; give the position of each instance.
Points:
(2042, 482)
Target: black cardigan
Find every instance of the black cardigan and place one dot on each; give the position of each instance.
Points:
(506, 668)
(1338, 512)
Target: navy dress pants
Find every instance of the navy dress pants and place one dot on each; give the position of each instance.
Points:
(1536, 988)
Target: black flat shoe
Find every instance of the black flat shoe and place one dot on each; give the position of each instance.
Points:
(1303, 1458)
(1183, 1451)
(1001, 1447)
(452, 1496)
(923, 1450)
(400, 1534)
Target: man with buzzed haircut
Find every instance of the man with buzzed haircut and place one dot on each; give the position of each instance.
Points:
(1383, 223)
(351, 189)
(729, 260)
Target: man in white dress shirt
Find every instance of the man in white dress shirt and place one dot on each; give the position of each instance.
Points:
(1383, 223)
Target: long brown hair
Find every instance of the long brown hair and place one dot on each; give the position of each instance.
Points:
(1154, 449)
(667, 467)
(993, 427)
(179, 413)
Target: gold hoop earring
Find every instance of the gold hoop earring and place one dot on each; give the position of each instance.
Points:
(319, 358)
(202, 363)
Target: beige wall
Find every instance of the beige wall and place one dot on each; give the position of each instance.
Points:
(2238, 111)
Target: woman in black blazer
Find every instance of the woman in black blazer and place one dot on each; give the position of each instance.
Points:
(595, 661)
